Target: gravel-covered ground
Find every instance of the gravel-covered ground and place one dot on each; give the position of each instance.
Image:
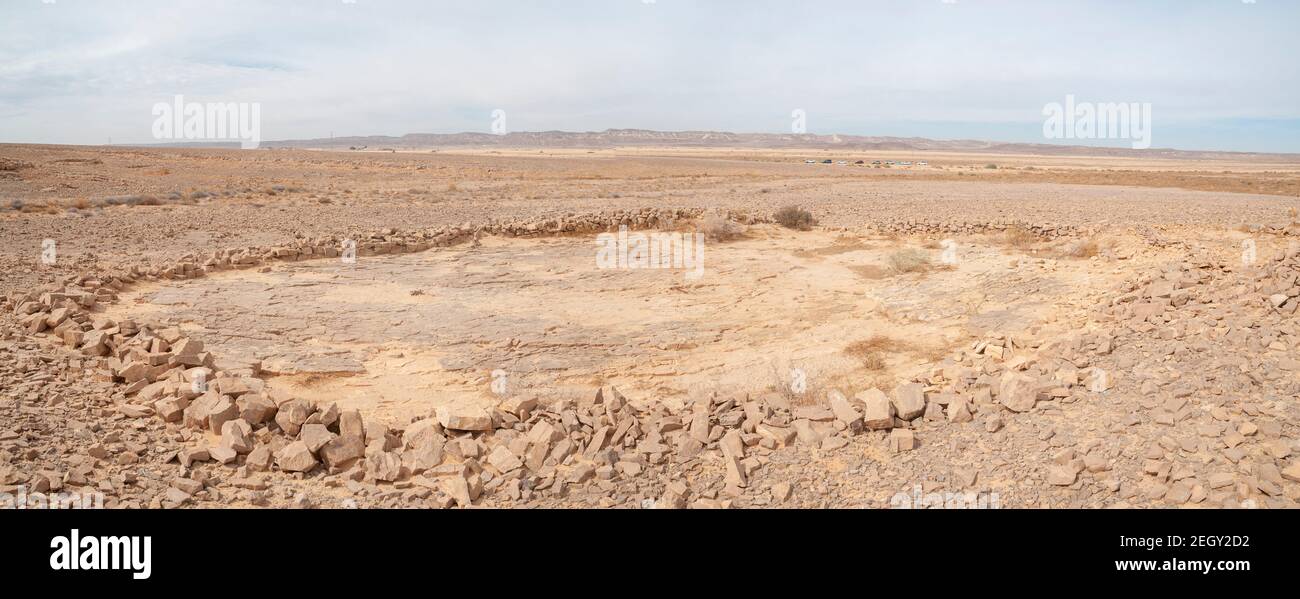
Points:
(1197, 404)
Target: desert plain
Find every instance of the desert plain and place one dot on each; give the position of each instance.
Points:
(184, 327)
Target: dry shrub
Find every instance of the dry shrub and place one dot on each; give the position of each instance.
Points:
(717, 227)
(909, 260)
(1087, 248)
(39, 209)
(794, 217)
(1019, 237)
(871, 351)
(452, 187)
(81, 204)
(1080, 248)
(782, 383)
(820, 377)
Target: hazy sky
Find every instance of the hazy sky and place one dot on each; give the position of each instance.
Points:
(1219, 74)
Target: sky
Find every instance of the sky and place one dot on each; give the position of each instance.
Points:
(1218, 74)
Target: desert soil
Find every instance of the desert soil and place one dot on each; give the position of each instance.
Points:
(1081, 332)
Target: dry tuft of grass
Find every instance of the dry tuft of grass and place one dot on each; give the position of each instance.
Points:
(717, 227)
(794, 217)
(909, 260)
(1080, 248)
(871, 351)
(1019, 238)
(1086, 248)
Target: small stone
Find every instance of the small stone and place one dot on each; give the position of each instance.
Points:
(909, 401)
(222, 454)
(256, 409)
(339, 450)
(519, 407)
(879, 412)
(1062, 476)
(194, 454)
(464, 419)
(1095, 463)
(423, 432)
(1221, 480)
(959, 411)
(735, 476)
(295, 457)
(237, 435)
(315, 436)
(902, 439)
(260, 458)
(807, 434)
(1179, 493)
(384, 466)
(1017, 392)
(291, 416)
(351, 425)
(503, 460)
(1292, 472)
(458, 488)
(845, 412)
